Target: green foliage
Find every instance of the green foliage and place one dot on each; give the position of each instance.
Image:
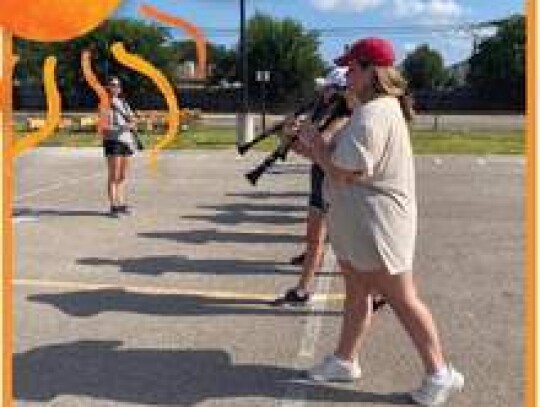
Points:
(445, 142)
(280, 46)
(424, 142)
(497, 69)
(424, 69)
(285, 49)
(150, 41)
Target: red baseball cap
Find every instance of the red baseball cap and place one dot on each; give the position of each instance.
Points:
(372, 50)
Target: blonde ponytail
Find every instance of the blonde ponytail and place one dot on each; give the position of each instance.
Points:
(389, 81)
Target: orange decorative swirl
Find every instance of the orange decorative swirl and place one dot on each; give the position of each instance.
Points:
(193, 31)
(93, 80)
(96, 86)
(138, 64)
(53, 111)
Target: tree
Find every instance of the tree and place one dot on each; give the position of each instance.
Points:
(424, 68)
(497, 68)
(150, 41)
(285, 49)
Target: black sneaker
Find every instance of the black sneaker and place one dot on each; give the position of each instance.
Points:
(124, 209)
(292, 297)
(298, 260)
(114, 212)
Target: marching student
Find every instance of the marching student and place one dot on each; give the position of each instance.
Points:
(118, 125)
(311, 259)
(372, 218)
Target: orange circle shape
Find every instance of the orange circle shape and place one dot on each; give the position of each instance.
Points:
(54, 20)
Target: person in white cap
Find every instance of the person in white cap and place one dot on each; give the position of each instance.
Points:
(372, 218)
(117, 125)
(311, 259)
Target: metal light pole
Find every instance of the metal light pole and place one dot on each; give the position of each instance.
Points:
(264, 103)
(244, 119)
(262, 77)
(244, 58)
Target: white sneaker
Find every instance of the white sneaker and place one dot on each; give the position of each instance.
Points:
(333, 369)
(435, 392)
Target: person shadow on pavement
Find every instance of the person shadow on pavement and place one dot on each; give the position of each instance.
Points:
(213, 235)
(164, 264)
(105, 370)
(56, 212)
(246, 213)
(92, 302)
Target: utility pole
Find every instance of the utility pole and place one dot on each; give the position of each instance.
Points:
(244, 119)
(244, 58)
(263, 77)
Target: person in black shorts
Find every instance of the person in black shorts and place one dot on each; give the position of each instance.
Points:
(311, 259)
(118, 123)
(334, 84)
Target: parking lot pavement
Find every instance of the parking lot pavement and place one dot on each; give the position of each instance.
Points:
(170, 305)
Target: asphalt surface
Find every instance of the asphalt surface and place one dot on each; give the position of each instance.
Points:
(168, 307)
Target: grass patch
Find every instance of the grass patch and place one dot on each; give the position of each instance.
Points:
(424, 142)
(428, 142)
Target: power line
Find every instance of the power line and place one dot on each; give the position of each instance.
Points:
(397, 30)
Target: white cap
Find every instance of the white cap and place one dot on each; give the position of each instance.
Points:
(336, 77)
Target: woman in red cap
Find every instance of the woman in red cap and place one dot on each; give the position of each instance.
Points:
(372, 216)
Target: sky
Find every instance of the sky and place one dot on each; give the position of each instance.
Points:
(407, 23)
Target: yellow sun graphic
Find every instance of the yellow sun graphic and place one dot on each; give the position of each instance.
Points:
(54, 20)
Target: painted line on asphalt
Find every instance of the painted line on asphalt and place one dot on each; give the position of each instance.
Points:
(322, 290)
(24, 219)
(57, 185)
(77, 285)
(295, 396)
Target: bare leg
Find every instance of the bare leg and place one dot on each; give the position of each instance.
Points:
(121, 181)
(415, 317)
(401, 293)
(357, 313)
(315, 236)
(113, 170)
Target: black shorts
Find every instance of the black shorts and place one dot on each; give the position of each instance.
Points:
(316, 194)
(116, 148)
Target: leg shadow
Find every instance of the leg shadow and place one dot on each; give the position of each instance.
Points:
(104, 370)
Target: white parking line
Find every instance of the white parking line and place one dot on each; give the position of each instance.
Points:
(57, 185)
(313, 327)
(25, 219)
(295, 396)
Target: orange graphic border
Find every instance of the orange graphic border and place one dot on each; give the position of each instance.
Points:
(530, 323)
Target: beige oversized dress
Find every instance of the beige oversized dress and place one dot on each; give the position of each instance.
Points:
(372, 222)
